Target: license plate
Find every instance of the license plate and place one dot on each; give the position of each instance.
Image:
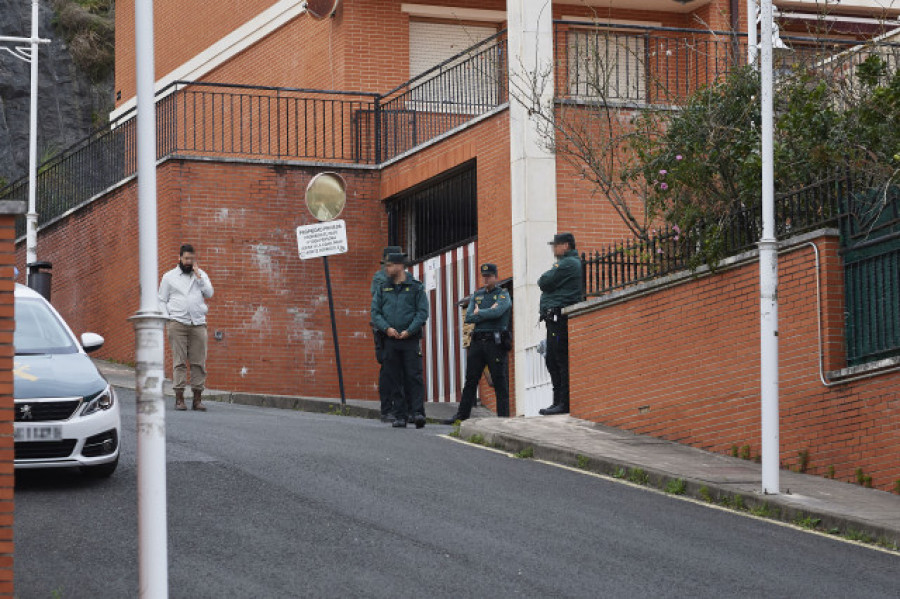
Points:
(37, 433)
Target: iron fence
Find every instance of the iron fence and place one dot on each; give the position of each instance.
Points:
(628, 263)
(638, 65)
(438, 215)
(458, 90)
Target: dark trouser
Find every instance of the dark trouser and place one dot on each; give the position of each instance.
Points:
(481, 353)
(384, 390)
(402, 364)
(557, 358)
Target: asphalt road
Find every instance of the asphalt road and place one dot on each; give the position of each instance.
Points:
(272, 503)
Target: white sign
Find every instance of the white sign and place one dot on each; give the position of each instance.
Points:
(432, 266)
(322, 239)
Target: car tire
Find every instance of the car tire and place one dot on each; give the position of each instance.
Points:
(101, 470)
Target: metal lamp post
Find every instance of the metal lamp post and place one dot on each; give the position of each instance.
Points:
(768, 270)
(30, 55)
(153, 572)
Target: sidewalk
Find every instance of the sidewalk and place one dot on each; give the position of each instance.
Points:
(838, 506)
(121, 375)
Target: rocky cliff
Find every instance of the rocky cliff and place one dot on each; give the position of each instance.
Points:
(72, 100)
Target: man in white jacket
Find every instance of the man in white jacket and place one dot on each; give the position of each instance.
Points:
(183, 292)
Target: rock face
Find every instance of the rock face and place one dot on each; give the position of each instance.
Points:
(69, 104)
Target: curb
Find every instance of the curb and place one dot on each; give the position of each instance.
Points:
(778, 509)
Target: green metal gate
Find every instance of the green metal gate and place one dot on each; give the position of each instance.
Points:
(870, 236)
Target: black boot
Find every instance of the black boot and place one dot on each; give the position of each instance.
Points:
(453, 419)
(560, 408)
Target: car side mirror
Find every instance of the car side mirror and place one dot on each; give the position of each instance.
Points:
(91, 342)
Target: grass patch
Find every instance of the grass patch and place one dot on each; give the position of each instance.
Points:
(338, 410)
(676, 487)
(858, 535)
(584, 463)
(638, 476)
(88, 28)
(705, 495)
(763, 511)
(803, 460)
(619, 473)
(477, 439)
(455, 431)
(526, 453)
(807, 522)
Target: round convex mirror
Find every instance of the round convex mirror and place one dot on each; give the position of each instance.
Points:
(326, 195)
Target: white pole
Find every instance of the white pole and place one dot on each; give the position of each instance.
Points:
(31, 217)
(768, 272)
(149, 337)
(752, 41)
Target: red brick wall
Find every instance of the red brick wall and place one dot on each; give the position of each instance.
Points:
(182, 29)
(271, 307)
(682, 363)
(7, 326)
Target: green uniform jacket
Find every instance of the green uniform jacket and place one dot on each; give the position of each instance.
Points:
(378, 280)
(403, 306)
(490, 319)
(561, 285)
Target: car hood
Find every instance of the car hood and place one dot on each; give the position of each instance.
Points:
(56, 375)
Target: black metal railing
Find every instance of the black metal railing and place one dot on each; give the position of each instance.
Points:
(627, 263)
(660, 65)
(277, 123)
(451, 94)
(208, 119)
(438, 215)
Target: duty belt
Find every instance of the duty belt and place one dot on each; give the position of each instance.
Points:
(483, 335)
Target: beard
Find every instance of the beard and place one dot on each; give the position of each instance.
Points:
(186, 268)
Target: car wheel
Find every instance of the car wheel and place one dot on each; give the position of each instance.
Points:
(101, 470)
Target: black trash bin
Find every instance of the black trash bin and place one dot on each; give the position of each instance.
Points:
(39, 278)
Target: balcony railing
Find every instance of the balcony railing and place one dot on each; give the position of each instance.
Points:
(462, 88)
(629, 64)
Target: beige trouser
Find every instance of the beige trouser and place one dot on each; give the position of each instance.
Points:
(188, 347)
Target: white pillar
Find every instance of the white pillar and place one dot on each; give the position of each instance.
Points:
(768, 272)
(153, 577)
(752, 41)
(533, 179)
(31, 216)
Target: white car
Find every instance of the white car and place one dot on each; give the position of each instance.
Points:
(66, 413)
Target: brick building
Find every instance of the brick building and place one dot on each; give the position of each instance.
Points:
(410, 103)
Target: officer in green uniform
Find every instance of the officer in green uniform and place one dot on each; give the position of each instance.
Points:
(561, 286)
(400, 310)
(490, 309)
(379, 279)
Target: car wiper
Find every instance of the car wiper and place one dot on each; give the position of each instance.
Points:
(30, 353)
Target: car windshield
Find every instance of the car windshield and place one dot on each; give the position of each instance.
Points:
(39, 330)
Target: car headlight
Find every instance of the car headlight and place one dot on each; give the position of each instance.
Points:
(102, 401)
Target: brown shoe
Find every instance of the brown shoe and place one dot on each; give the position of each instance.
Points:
(197, 405)
(179, 400)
